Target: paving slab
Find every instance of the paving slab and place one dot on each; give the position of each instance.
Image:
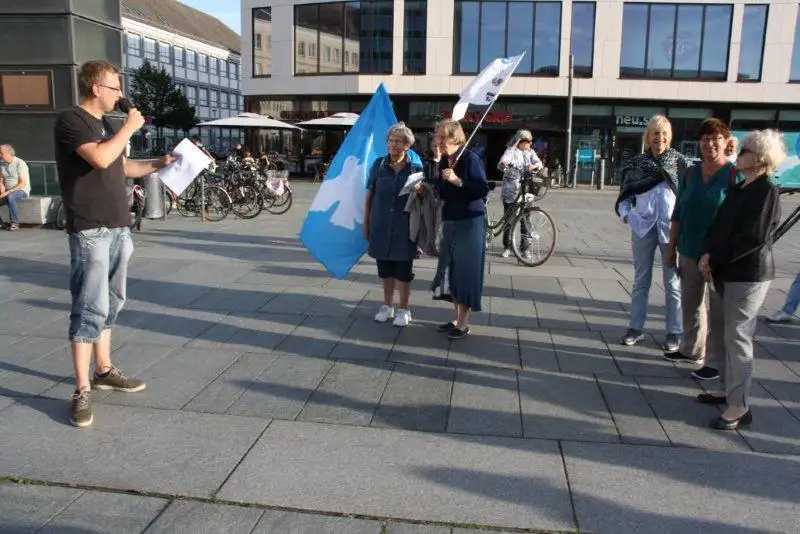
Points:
(234, 298)
(536, 350)
(349, 394)
(37, 375)
(106, 511)
(19, 351)
(337, 302)
(604, 316)
(293, 300)
(316, 336)
(278, 521)
(685, 420)
(191, 517)
(174, 381)
(417, 397)
(494, 347)
(604, 290)
(162, 293)
(563, 406)
(537, 289)
(628, 489)
(28, 507)
(420, 345)
(408, 528)
(248, 332)
(632, 415)
(646, 358)
(786, 393)
(512, 313)
(485, 403)
(560, 316)
(583, 352)
(574, 288)
(220, 394)
(163, 451)
(366, 340)
(774, 429)
(399, 474)
(283, 389)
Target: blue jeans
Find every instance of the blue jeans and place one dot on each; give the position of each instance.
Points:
(793, 298)
(99, 271)
(644, 252)
(13, 208)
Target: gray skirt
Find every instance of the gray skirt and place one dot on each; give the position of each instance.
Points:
(462, 255)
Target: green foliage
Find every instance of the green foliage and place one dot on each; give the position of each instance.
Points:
(155, 95)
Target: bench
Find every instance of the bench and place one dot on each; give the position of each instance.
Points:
(35, 210)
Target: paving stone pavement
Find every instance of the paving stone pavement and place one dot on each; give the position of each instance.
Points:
(276, 404)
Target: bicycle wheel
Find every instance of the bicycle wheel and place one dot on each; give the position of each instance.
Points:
(533, 236)
(247, 203)
(61, 217)
(167, 202)
(277, 209)
(218, 204)
(137, 210)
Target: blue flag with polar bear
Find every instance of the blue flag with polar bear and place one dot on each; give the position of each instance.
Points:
(333, 229)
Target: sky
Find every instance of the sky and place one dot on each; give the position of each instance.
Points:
(228, 11)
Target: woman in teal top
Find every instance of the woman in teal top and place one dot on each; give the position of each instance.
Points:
(700, 193)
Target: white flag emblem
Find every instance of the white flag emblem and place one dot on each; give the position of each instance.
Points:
(486, 86)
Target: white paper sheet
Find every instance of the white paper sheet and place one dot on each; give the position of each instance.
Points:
(182, 172)
(413, 180)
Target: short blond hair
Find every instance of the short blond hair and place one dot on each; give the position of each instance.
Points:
(91, 73)
(657, 121)
(767, 149)
(452, 130)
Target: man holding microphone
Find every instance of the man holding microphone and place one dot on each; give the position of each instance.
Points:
(92, 169)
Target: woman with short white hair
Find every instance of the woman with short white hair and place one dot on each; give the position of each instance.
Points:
(738, 262)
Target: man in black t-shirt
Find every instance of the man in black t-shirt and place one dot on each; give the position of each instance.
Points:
(92, 169)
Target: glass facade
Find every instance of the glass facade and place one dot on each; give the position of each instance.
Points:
(344, 32)
(415, 25)
(675, 41)
(262, 41)
(488, 29)
(751, 52)
(149, 49)
(794, 73)
(582, 38)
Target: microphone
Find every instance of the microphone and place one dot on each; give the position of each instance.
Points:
(124, 105)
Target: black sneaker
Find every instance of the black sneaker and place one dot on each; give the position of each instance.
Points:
(80, 411)
(458, 333)
(446, 327)
(679, 357)
(672, 343)
(632, 337)
(706, 373)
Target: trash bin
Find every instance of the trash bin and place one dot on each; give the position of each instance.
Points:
(154, 202)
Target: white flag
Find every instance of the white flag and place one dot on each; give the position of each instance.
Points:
(486, 86)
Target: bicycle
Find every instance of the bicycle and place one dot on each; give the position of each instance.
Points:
(218, 203)
(136, 201)
(530, 241)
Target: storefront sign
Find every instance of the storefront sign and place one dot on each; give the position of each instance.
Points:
(493, 117)
(630, 120)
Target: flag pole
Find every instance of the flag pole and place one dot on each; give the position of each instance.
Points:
(499, 92)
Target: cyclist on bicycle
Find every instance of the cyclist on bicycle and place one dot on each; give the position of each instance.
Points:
(518, 158)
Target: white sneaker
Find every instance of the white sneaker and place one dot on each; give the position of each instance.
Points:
(506, 253)
(403, 318)
(384, 314)
(780, 317)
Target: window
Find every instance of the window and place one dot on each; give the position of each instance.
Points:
(489, 29)
(301, 48)
(675, 41)
(415, 26)
(163, 52)
(191, 59)
(752, 43)
(203, 96)
(178, 56)
(233, 70)
(582, 38)
(149, 49)
(361, 29)
(213, 66)
(191, 95)
(133, 44)
(223, 100)
(202, 62)
(26, 90)
(262, 30)
(241, 103)
(214, 99)
(223, 68)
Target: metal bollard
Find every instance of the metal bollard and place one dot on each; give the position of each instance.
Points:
(602, 180)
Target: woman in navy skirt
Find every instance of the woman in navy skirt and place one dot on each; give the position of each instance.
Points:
(463, 188)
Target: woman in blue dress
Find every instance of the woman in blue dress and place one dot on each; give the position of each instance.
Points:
(387, 224)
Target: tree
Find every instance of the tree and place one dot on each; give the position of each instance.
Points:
(154, 93)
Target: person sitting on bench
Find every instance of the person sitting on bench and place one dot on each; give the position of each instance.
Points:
(15, 183)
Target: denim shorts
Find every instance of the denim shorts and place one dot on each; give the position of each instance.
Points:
(98, 275)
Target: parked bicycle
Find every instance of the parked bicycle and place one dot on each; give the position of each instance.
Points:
(136, 201)
(533, 231)
(217, 202)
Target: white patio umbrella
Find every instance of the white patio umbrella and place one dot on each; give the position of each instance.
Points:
(251, 120)
(337, 121)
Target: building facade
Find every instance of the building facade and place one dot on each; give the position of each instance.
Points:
(738, 60)
(202, 56)
(44, 43)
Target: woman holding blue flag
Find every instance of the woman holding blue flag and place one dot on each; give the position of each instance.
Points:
(387, 224)
(463, 188)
